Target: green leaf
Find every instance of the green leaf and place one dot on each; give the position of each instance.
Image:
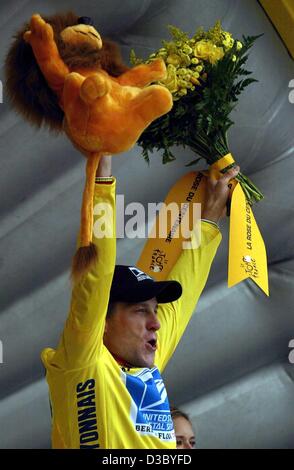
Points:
(167, 156)
(146, 156)
(193, 162)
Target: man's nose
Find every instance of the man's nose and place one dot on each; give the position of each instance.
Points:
(153, 323)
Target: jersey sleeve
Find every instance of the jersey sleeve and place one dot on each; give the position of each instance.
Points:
(81, 341)
(191, 271)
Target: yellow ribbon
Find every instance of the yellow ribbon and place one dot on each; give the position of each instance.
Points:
(220, 165)
(247, 254)
(162, 250)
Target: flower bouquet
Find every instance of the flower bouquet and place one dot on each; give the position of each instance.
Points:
(205, 75)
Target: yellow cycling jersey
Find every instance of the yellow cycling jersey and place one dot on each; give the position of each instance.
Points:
(97, 403)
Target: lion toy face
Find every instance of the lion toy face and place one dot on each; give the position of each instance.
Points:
(82, 34)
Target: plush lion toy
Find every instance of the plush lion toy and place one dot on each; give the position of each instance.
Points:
(60, 73)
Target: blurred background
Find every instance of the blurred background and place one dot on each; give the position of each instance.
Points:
(231, 372)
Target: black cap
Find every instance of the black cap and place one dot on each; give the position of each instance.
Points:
(129, 284)
(86, 20)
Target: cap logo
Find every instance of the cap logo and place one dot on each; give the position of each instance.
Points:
(140, 275)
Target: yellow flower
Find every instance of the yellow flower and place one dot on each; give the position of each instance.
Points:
(187, 49)
(185, 59)
(206, 50)
(194, 81)
(182, 92)
(216, 55)
(171, 81)
(234, 58)
(239, 45)
(173, 59)
(183, 83)
(182, 72)
(203, 49)
(228, 42)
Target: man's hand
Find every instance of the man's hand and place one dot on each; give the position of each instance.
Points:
(217, 193)
(104, 167)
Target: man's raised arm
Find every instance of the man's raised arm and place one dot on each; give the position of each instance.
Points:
(82, 337)
(193, 267)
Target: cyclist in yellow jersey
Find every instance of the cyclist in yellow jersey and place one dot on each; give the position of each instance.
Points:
(104, 378)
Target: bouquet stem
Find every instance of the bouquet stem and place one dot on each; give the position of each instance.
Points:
(251, 192)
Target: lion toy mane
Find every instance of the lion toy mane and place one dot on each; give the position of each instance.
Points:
(60, 73)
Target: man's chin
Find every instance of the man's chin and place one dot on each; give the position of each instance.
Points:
(149, 361)
(146, 361)
(144, 358)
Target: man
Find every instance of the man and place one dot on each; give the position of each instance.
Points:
(105, 389)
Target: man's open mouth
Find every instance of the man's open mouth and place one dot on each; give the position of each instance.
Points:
(152, 344)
